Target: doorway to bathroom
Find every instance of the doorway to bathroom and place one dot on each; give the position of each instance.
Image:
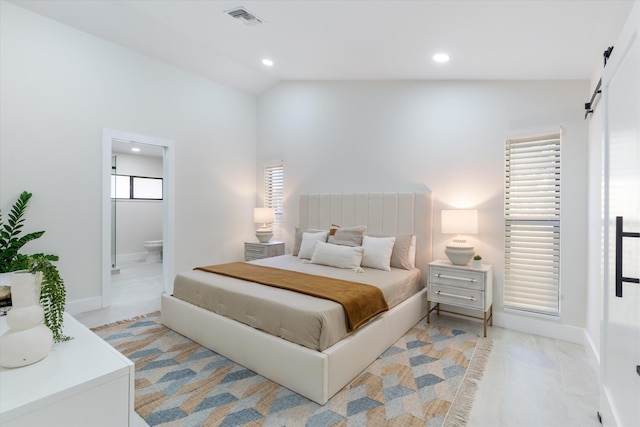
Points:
(137, 226)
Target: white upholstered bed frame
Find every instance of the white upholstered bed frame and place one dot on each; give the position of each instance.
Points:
(313, 374)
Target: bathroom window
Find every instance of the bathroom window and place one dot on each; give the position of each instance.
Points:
(120, 187)
(128, 187)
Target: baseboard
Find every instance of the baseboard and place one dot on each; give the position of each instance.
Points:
(80, 306)
(134, 257)
(545, 328)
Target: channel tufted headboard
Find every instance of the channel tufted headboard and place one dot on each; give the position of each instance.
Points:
(383, 214)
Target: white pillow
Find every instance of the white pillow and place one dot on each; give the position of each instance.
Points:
(309, 241)
(337, 255)
(298, 239)
(377, 252)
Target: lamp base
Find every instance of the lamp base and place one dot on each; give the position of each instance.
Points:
(264, 236)
(459, 254)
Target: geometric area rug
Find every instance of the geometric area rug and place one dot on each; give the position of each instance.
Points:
(427, 378)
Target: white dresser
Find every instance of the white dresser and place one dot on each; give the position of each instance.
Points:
(262, 250)
(461, 286)
(82, 382)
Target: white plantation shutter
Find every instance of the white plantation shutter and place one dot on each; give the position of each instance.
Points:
(273, 195)
(532, 224)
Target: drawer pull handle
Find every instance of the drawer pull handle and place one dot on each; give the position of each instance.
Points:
(463, 279)
(444, 294)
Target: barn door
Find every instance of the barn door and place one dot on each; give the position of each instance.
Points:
(620, 352)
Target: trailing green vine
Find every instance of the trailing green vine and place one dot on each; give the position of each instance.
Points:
(53, 294)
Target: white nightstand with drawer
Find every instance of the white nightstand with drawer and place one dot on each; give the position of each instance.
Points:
(262, 250)
(461, 286)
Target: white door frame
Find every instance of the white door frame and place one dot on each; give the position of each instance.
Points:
(108, 135)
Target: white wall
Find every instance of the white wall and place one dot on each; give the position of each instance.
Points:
(59, 88)
(447, 136)
(137, 220)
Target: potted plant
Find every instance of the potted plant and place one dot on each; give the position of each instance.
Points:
(477, 261)
(52, 290)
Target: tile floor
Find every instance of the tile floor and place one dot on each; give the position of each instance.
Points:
(532, 381)
(135, 290)
(529, 380)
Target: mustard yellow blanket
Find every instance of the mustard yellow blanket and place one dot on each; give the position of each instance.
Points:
(361, 302)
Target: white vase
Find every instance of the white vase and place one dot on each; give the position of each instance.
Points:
(28, 340)
(477, 263)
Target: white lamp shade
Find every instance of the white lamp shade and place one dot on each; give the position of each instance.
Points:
(263, 215)
(459, 221)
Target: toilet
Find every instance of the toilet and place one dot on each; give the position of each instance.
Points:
(154, 250)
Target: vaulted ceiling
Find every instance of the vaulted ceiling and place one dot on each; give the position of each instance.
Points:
(356, 39)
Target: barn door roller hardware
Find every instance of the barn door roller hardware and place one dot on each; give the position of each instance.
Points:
(590, 105)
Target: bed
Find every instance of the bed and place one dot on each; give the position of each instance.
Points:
(319, 369)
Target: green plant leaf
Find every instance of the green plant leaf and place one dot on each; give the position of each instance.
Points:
(52, 292)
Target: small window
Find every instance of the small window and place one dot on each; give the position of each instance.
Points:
(146, 188)
(532, 224)
(274, 195)
(136, 187)
(120, 187)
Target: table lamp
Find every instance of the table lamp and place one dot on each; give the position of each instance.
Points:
(459, 222)
(264, 216)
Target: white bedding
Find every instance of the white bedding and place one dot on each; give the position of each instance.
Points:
(312, 322)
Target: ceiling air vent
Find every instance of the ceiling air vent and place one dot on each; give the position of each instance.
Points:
(244, 16)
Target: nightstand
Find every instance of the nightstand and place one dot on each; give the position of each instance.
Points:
(461, 286)
(262, 250)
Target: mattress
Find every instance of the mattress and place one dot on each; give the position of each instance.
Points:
(313, 322)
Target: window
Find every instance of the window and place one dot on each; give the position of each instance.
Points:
(136, 187)
(120, 187)
(532, 224)
(146, 188)
(274, 195)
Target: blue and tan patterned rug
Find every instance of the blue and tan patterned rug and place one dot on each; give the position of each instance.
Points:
(414, 383)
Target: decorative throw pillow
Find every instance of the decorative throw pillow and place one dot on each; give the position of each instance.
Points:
(309, 241)
(377, 252)
(401, 250)
(347, 236)
(337, 256)
(298, 239)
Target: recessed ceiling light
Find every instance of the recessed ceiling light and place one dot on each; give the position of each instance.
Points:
(267, 62)
(441, 57)
(135, 149)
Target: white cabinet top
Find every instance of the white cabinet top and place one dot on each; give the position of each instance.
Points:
(447, 263)
(71, 367)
